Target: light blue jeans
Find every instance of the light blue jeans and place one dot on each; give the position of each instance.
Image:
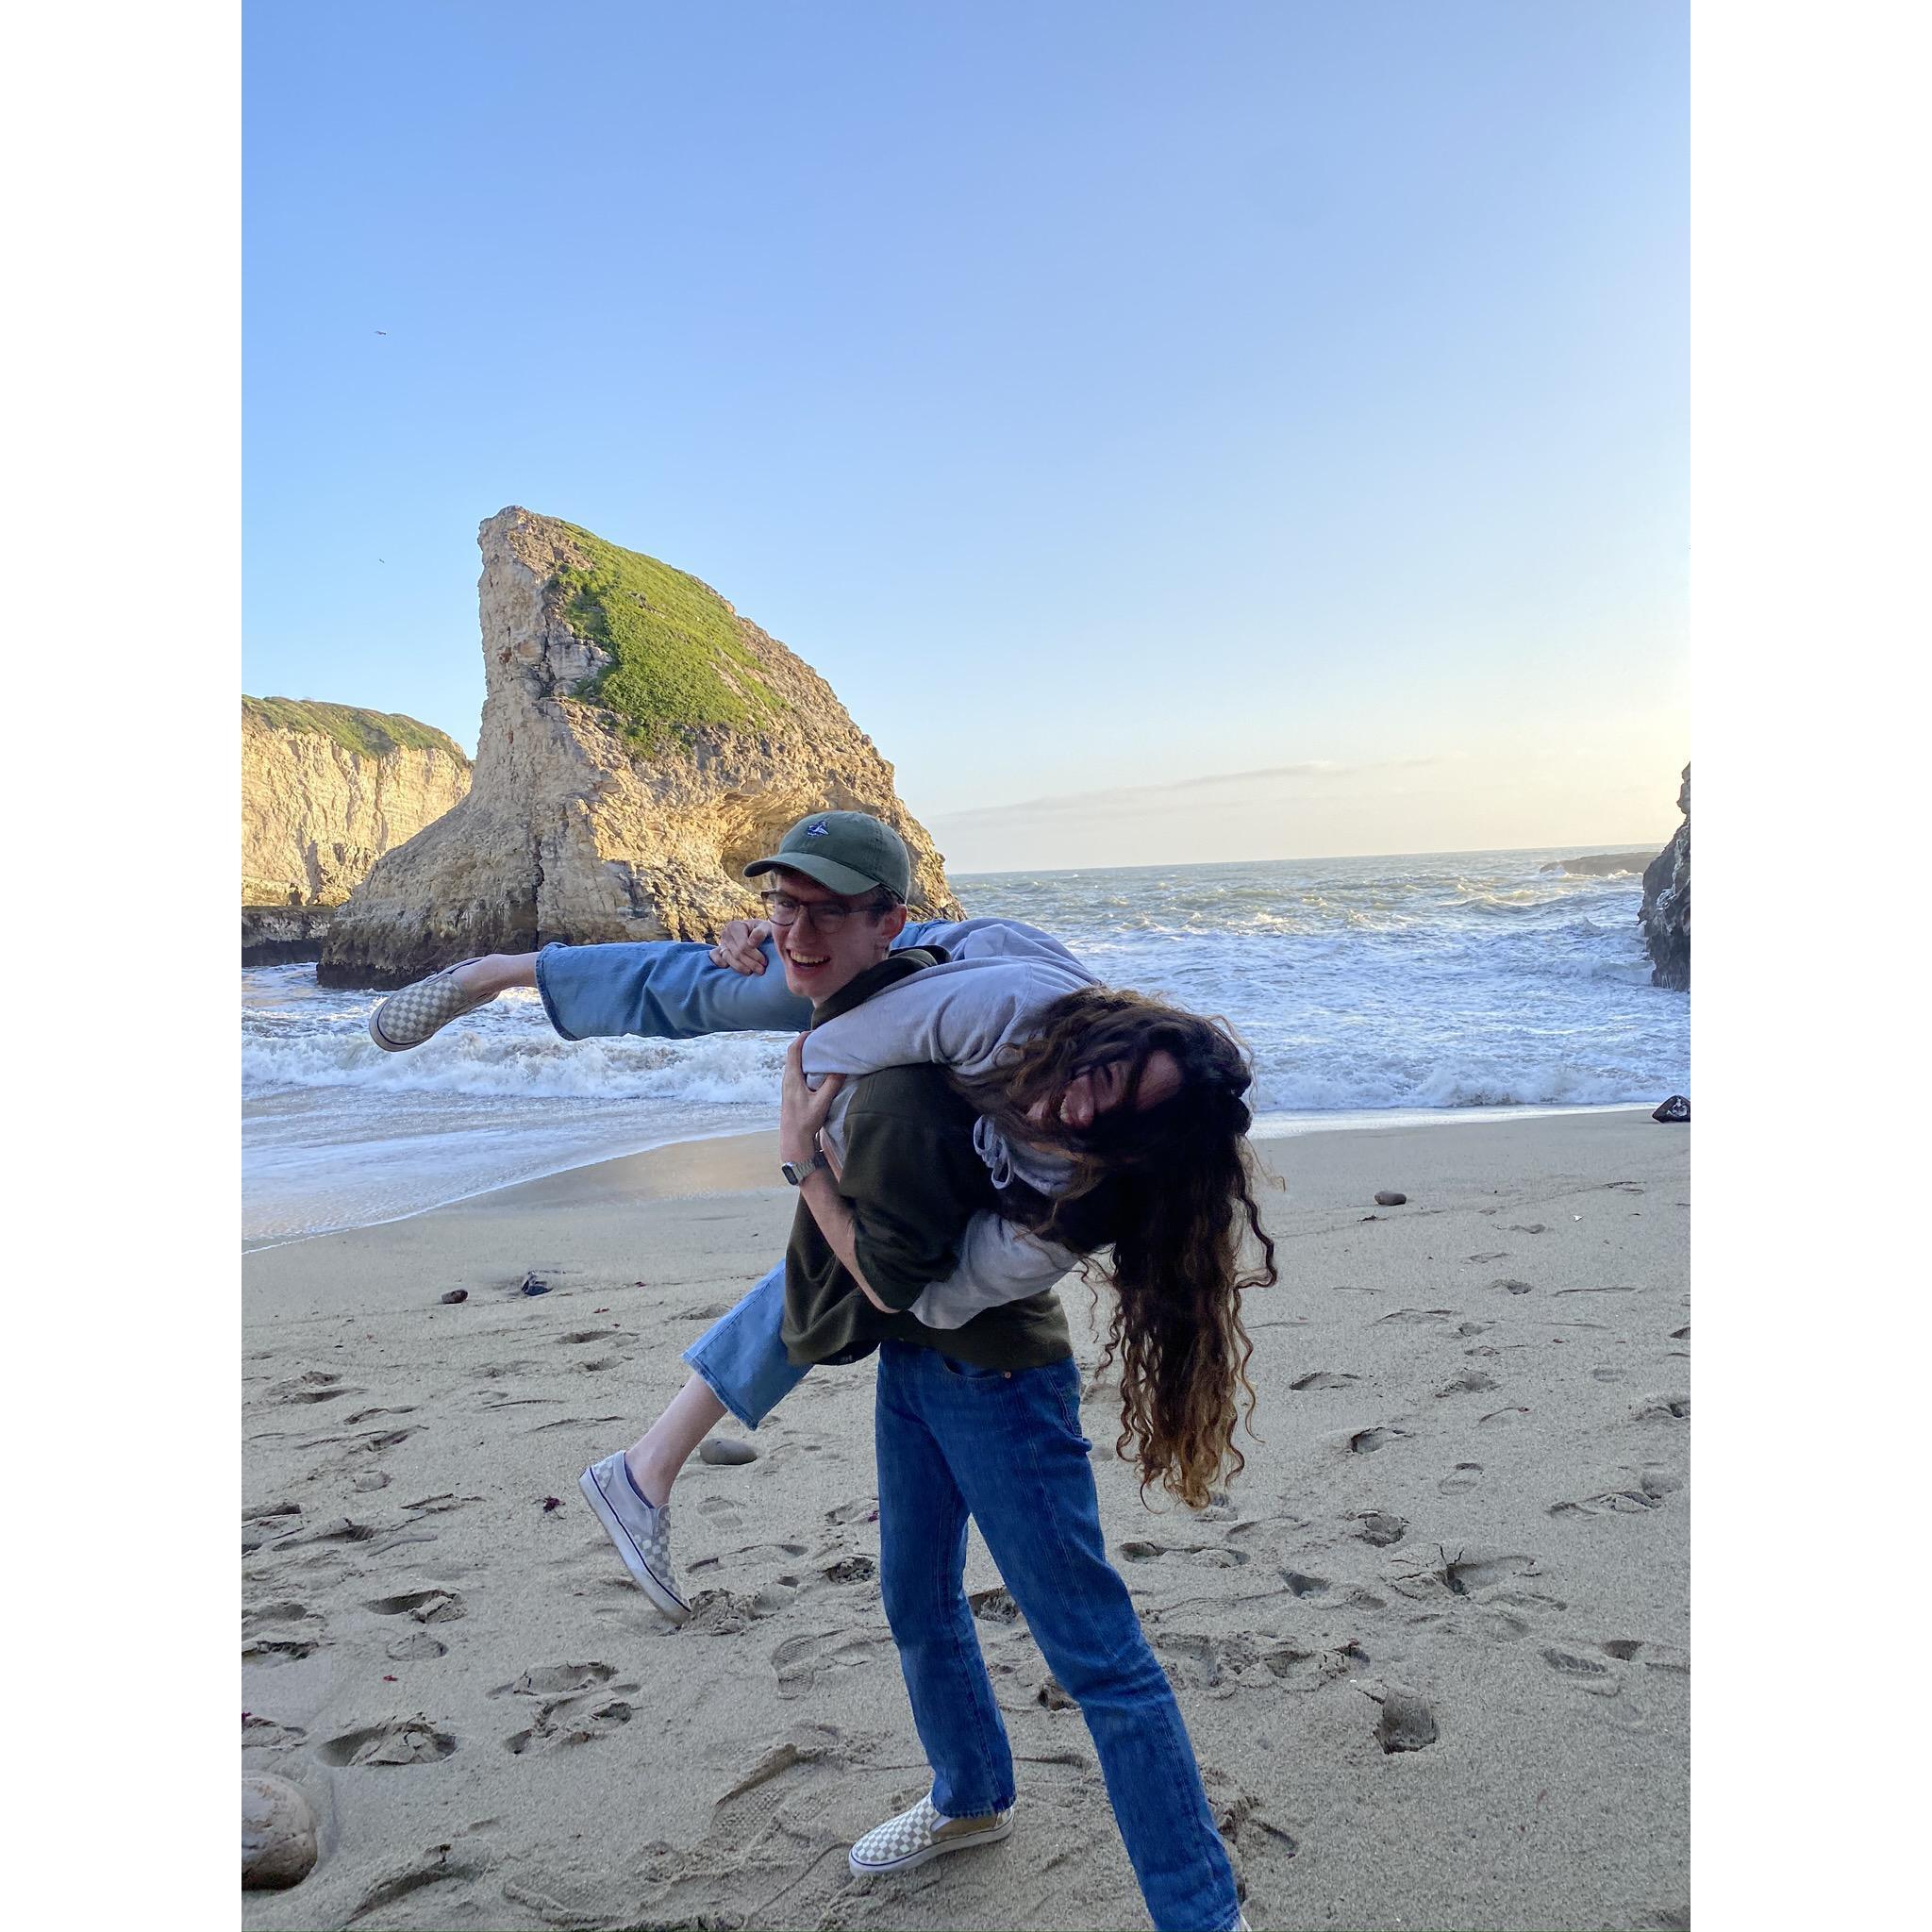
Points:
(743, 1358)
(669, 989)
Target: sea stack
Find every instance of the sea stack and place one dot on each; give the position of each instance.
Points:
(1665, 914)
(641, 742)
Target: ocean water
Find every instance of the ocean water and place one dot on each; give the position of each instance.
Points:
(1367, 990)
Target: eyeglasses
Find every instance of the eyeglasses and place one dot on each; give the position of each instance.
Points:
(827, 915)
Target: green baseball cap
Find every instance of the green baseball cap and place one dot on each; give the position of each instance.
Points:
(848, 851)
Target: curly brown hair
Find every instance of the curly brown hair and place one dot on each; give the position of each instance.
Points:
(1170, 1190)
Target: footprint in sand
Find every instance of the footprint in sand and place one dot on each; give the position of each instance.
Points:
(1206, 1556)
(574, 1707)
(720, 1512)
(1509, 1284)
(1366, 1442)
(1464, 1476)
(994, 1605)
(1466, 1574)
(1461, 1575)
(801, 1661)
(416, 1648)
(276, 1649)
(395, 1742)
(1632, 1493)
(1471, 1382)
(851, 1569)
(316, 1386)
(425, 1606)
(1304, 1586)
(556, 1680)
(342, 1530)
(560, 1726)
(282, 1611)
(1662, 1409)
(1380, 1530)
(267, 1734)
(1324, 1378)
(1585, 1672)
(1223, 1662)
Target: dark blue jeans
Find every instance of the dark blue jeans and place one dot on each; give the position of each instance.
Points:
(1005, 1450)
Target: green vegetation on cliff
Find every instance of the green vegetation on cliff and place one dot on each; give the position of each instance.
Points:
(678, 662)
(371, 734)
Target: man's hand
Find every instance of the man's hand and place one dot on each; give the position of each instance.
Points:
(741, 945)
(801, 1112)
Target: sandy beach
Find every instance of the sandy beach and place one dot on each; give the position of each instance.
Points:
(1469, 1509)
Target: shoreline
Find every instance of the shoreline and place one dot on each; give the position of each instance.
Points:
(1268, 1129)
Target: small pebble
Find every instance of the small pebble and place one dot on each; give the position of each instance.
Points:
(1389, 1198)
(726, 1449)
(457, 1294)
(1407, 1723)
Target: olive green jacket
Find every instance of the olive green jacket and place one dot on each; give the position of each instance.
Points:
(914, 1180)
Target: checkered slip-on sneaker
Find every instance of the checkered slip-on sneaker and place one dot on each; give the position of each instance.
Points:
(407, 1018)
(641, 1531)
(920, 1834)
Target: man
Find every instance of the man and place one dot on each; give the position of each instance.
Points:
(978, 1421)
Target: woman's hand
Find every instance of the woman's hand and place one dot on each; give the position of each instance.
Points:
(741, 945)
(801, 1112)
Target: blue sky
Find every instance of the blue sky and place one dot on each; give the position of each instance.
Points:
(1177, 431)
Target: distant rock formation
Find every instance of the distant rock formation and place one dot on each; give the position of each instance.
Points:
(283, 934)
(327, 789)
(640, 743)
(1665, 915)
(1598, 865)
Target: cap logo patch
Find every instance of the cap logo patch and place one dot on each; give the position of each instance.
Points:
(817, 831)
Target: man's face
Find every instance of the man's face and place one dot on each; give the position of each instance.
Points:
(831, 942)
(1100, 1089)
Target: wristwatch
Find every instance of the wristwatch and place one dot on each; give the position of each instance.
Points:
(798, 1175)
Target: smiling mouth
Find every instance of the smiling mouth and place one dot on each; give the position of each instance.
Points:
(809, 965)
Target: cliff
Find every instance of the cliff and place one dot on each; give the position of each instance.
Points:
(327, 789)
(641, 742)
(1665, 914)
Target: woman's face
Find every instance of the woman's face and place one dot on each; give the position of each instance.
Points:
(1100, 1089)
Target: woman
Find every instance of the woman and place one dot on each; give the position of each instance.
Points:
(1056, 1066)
